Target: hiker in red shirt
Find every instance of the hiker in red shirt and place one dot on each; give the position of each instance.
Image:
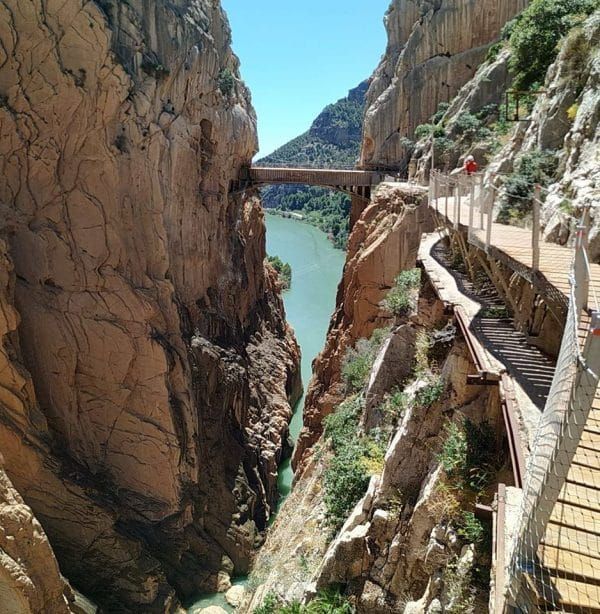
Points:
(470, 166)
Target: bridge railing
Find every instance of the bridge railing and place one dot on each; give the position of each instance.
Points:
(556, 545)
(307, 166)
(323, 177)
(471, 202)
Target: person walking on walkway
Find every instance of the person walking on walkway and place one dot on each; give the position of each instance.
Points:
(470, 166)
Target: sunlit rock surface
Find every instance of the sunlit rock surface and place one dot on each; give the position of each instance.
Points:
(433, 49)
(147, 361)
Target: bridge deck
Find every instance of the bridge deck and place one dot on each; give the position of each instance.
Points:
(310, 176)
(570, 550)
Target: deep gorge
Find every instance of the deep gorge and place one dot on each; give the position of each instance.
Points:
(148, 372)
(150, 378)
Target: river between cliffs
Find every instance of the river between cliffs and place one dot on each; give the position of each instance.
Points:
(316, 271)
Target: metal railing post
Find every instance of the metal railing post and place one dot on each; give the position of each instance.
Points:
(535, 232)
(580, 268)
(480, 201)
(430, 191)
(447, 186)
(471, 204)
(488, 232)
(454, 203)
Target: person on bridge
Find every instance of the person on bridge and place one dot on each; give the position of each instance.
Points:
(470, 166)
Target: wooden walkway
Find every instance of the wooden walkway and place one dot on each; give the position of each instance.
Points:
(570, 551)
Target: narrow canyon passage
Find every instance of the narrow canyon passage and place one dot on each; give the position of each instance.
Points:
(316, 271)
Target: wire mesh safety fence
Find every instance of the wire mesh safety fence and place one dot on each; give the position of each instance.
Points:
(554, 562)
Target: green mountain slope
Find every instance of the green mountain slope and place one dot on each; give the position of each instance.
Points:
(333, 141)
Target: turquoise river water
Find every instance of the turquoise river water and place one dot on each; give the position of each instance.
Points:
(316, 272)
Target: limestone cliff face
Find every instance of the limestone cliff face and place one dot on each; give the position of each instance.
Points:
(30, 580)
(566, 121)
(399, 549)
(384, 240)
(148, 380)
(434, 48)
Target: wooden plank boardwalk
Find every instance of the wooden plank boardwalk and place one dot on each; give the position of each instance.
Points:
(569, 554)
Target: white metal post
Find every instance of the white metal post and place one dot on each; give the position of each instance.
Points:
(488, 233)
(471, 203)
(447, 186)
(456, 201)
(582, 281)
(480, 201)
(535, 232)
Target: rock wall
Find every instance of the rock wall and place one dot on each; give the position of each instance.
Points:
(147, 383)
(384, 240)
(30, 580)
(401, 545)
(567, 121)
(434, 48)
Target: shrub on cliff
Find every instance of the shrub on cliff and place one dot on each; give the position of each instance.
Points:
(346, 481)
(327, 601)
(284, 270)
(468, 454)
(342, 424)
(471, 126)
(358, 361)
(356, 457)
(534, 36)
(226, 82)
(431, 393)
(401, 298)
(531, 168)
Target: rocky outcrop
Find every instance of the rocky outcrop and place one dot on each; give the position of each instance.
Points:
(434, 48)
(397, 544)
(566, 120)
(146, 387)
(384, 241)
(30, 580)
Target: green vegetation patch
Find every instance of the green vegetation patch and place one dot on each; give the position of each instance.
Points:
(470, 528)
(284, 270)
(402, 297)
(328, 601)
(226, 82)
(356, 457)
(468, 455)
(359, 360)
(534, 167)
(534, 36)
(430, 393)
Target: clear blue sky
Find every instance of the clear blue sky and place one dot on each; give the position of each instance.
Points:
(298, 56)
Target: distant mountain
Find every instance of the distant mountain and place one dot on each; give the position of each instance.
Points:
(333, 141)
